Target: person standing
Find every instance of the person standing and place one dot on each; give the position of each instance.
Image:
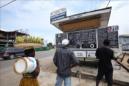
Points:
(105, 68)
(64, 60)
(30, 79)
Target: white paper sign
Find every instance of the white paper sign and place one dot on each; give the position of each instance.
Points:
(80, 53)
(91, 54)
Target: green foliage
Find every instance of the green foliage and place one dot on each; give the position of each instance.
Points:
(50, 45)
(29, 39)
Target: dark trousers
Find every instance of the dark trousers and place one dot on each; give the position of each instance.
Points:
(108, 73)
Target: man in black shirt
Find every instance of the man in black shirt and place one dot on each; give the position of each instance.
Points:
(105, 54)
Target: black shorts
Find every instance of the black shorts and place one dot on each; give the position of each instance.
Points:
(108, 75)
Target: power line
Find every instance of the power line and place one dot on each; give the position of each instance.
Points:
(8, 3)
(108, 3)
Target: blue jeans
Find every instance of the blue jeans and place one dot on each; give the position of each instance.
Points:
(59, 81)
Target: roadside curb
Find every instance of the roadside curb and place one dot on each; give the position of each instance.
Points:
(93, 76)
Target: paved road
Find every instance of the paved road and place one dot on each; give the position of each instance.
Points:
(7, 75)
(9, 78)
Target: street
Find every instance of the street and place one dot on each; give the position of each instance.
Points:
(7, 75)
(47, 74)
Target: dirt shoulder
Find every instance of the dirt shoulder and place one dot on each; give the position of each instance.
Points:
(22, 45)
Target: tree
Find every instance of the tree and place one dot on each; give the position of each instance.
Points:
(50, 45)
(29, 39)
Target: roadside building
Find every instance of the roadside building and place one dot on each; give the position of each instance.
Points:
(8, 38)
(124, 42)
(79, 23)
(86, 31)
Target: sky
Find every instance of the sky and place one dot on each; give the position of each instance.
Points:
(33, 16)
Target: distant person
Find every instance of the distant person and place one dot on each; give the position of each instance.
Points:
(105, 54)
(64, 60)
(30, 79)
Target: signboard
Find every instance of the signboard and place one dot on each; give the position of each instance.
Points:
(91, 54)
(89, 38)
(80, 53)
(112, 29)
(84, 38)
(58, 14)
(125, 47)
(74, 38)
(110, 33)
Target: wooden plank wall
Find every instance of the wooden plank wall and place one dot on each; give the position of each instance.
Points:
(80, 25)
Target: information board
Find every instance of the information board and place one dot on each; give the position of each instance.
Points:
(74, 38)
(90, 38)
(83, 38)
(102, 35)
(110, 33)
(113, 36)
(58, 14)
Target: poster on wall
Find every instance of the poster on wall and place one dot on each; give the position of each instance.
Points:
(110, 33)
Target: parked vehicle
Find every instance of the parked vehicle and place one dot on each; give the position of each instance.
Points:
(11, 52)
